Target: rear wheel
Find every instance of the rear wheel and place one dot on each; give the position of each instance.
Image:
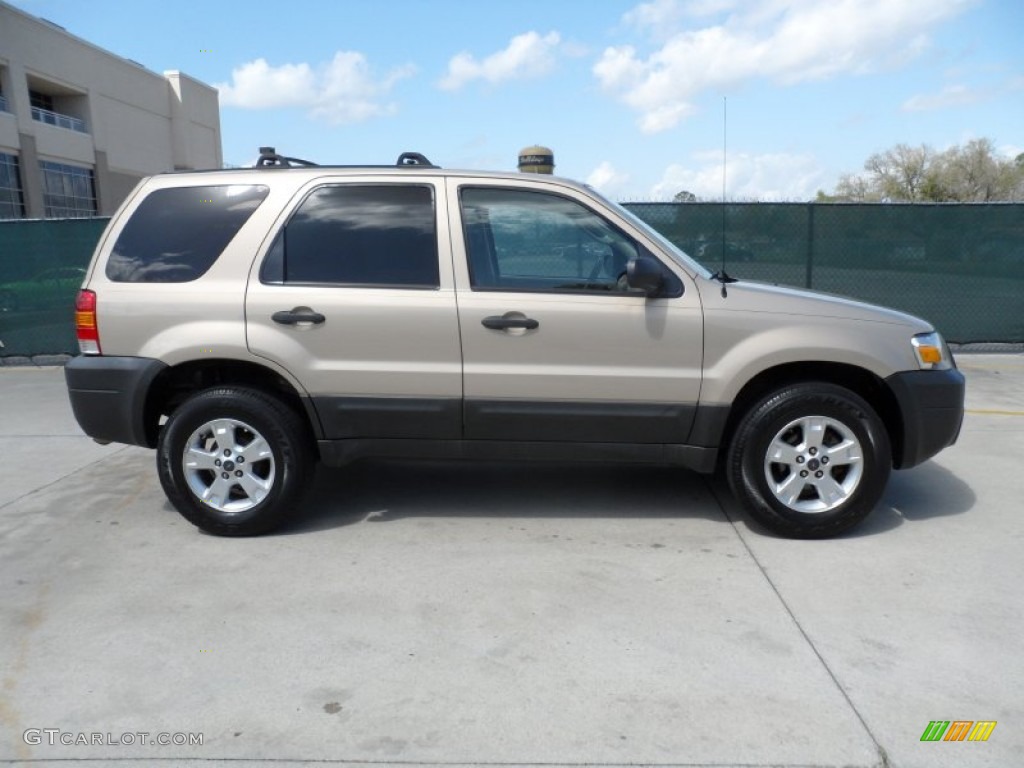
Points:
(234, 461)
(810, 460)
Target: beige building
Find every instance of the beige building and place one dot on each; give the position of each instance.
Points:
(79, 126)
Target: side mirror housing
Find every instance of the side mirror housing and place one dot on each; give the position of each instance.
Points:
(645, 274)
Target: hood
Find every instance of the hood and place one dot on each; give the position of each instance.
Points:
(747, 296)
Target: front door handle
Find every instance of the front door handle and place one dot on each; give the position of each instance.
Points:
(297, 315)
(501, 323)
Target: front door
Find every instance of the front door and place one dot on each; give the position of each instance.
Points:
(555, 345)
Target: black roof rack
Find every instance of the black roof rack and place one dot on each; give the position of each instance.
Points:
(270, 159)
(414, 159)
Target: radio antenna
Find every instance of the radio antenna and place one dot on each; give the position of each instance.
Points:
(725, 158)
(721, 275)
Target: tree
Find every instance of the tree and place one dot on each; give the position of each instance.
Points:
(684, 197)
(970, 173)
(973, 173)
(851, 188)
(900, 173)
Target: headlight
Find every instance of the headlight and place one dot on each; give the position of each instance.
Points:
(932, 353)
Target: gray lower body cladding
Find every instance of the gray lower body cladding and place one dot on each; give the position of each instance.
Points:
(932, 408)
(508, 430)
(515, 420)
(341, 452)
(108, 397)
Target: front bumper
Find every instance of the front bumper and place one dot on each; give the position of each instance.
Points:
(932, 408)
(108, 396)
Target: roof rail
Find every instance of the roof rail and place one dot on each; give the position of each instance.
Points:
(270, 159)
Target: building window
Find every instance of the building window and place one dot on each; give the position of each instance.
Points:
(43, 111)
(41, 100)
(68, 191)
(12, 204)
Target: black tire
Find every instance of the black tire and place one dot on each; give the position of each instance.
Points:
(238, 506)
(830, 497)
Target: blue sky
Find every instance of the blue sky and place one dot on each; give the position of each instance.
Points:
(628, 94)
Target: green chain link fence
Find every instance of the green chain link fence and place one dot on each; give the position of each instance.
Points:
(42, 263)
(959, 266)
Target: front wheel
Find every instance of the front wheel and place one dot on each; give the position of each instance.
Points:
(234, 461)
(810, 460)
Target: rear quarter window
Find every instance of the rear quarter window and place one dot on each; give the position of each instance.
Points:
(176, 235)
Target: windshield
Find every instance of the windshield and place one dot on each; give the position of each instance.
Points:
(669, 247)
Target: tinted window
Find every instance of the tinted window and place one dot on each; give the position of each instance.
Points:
(11, 201)
(68, 191)
(175, 235)
(531, 241)
(368, 235)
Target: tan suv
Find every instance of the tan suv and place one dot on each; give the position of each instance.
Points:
(247, 323)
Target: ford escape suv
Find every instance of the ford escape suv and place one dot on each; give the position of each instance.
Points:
(248, 323)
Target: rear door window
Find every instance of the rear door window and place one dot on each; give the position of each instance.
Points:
(366, 235)
(176, 234)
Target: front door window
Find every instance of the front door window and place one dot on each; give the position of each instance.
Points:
(531, 241)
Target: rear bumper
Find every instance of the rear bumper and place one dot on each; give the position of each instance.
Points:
(108, 396)
(932, 407)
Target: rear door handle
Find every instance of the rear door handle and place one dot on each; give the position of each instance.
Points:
(501, 323)
(297, 315)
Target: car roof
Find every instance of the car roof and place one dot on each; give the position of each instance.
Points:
(408, 163)
(388, 170)
(299, 175)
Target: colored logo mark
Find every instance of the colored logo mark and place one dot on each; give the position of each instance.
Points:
(958, 730)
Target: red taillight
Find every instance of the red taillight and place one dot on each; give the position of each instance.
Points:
(85, 323)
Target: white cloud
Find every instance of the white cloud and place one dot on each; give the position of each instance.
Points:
(663, 118)
(951, 96)
(1010, 151)
(527, 55)
(257, 85)
(607, 179)
(767, 177)
(342, 90)
(661, 16)
(709, 7)
(784, 41)
(654, 15)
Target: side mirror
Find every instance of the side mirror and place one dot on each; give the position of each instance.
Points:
(645, 274)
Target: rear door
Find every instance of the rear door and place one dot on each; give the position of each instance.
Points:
(354, 296)
(555, 345)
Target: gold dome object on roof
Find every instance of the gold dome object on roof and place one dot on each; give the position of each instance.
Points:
(536, 159)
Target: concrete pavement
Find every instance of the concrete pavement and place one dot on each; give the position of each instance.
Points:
(428, 614)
